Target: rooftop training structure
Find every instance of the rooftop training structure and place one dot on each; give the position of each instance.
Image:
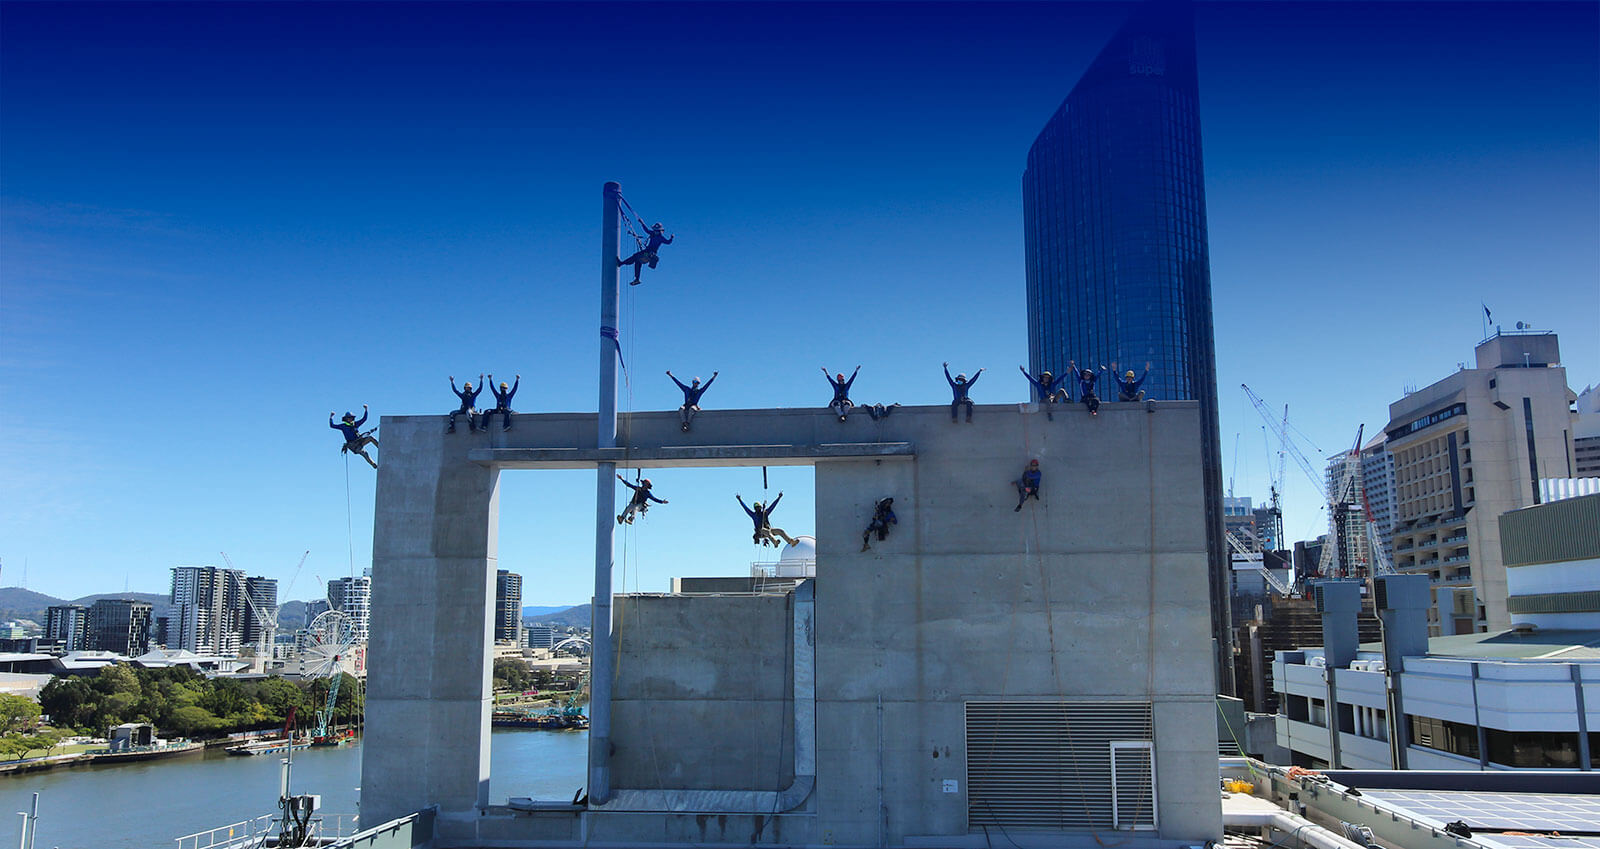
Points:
(1045, 672)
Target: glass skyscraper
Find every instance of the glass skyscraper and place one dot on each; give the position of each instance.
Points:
(1115, 227)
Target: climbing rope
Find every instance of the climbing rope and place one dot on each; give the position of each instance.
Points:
(349, 522)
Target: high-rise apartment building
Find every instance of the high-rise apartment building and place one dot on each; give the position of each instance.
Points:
(1586, 434)
(1467, 449)
(208, 610)
(1347, 519)
(353, 598)
(1377, 483)
(1118, 263)
(1269, 525)
(540, 636)
(67, 624)
(120, 625)
(507, 607)
(261, 605)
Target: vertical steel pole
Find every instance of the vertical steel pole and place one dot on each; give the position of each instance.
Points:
(600, 660)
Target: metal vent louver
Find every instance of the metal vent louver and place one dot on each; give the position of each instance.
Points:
(1380, 594)
(1049, 765)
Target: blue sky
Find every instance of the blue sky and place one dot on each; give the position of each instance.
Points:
(219, 222)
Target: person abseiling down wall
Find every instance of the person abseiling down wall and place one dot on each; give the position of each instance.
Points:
(765, 533)
(840, 405)
(691, 397)
(640, 503)
(959, 386)
(1127, 387)
(882, 517)
(1028, 485)
(1087, 381)
(355, 442)
(469, 397)
(646, 255)
(502, 402)
(1049, 389)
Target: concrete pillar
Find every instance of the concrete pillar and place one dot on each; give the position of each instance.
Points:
(429, 662)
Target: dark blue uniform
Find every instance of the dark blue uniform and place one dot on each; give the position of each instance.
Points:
(502, 402)
(958, 391)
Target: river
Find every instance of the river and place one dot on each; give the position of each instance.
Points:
(147, 805)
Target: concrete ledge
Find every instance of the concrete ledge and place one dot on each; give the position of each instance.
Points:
(678, 456)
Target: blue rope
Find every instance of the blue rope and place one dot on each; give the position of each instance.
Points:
(611, 333)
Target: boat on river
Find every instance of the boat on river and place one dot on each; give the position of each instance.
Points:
(275, 746)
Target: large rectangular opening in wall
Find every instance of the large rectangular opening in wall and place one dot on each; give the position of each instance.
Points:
(1060, 766)
(546, 535)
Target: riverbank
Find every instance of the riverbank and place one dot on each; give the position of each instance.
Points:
(99, 757)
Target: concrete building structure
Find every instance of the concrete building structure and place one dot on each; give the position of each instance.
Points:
(264, 593)
(353, 598)
(507, 606)
(1586, 434)
(119, 626)
(1467, 449)
(894, 699)
(1552, 559)
(539, 637)
(1347, 523)
(208, 610)
(68, 625)
(1518, 699)
(1116, 249)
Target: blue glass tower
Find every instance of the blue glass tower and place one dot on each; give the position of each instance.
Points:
(1115, 228)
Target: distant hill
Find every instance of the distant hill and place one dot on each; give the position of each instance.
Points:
(532, 610)
(18, 603)
(571, 617)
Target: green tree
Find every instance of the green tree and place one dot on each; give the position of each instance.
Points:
(14, 746)
(193, 721)
(116, 678)
(17, 713)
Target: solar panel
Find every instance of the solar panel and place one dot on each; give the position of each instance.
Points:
(1536, 812)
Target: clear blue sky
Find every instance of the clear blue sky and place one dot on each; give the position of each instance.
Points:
(219, 222)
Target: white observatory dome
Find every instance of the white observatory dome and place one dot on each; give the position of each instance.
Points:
(798, 560)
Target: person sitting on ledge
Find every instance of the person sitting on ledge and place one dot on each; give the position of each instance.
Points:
(840, 405)
(1087, 380)
(959, 386)
(502, 402)
(1049, 389)
(765, 533)
(1127, 387)
(469, 397)
(355, 441)
(691, 397)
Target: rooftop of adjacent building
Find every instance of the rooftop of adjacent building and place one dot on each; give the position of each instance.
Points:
(1515, 643)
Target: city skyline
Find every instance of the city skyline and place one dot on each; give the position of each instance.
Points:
(350, 204)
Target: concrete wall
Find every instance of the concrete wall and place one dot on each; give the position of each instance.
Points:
(1097, 592)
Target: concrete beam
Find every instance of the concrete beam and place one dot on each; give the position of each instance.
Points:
(686, 456)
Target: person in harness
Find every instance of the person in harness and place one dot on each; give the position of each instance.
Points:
(841, 404)
(1087, 380)
(355, 442)
(691, 397)
(765, 533)
(1028, 485)
(1049, 389)
(959, 386)
(646, 255)
(640, 503)
(502, 402)
(469, 397)
(1127, 387)
(882, 517)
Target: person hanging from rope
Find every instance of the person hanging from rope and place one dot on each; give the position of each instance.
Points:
(1028, 485)
(691, 397)
(959, 386)
(882, 517)
(1127, 387)
(502, 402)
(640, 502)
(469, 397)
(879, 411)
(355, 442)
(1049, 388)
(765, 533)
(646, 255)
(1087, 381)
(841, 404)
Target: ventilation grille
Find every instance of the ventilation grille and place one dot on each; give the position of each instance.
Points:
(1048, 765)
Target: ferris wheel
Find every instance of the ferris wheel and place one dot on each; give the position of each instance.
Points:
(328, 643)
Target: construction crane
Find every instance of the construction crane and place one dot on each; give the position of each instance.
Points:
(1257, 560)
(269, 619)
(1330, 563)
